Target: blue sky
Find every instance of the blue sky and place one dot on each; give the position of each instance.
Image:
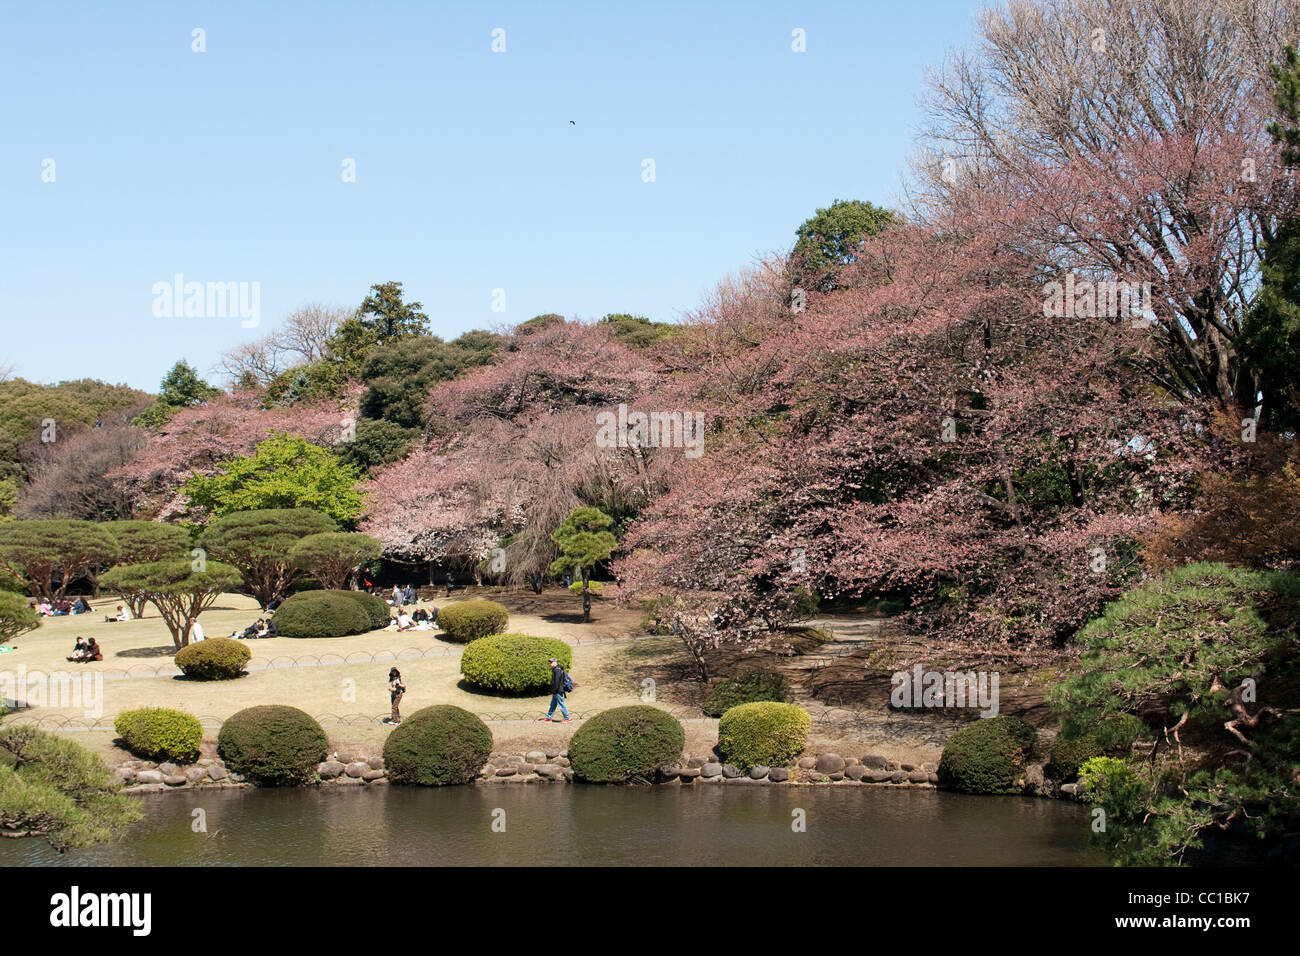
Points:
(226, 165)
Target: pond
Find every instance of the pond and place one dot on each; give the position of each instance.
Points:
(581, 825)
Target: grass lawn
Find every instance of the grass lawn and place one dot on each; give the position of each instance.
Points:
(348, 698)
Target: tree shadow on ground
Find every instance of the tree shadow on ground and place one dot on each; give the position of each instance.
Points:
(557, 617)
(166, 650)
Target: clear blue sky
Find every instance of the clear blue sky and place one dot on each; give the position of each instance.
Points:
(225, 165)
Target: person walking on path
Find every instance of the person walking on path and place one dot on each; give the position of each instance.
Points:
(395, 691)
(558, 681)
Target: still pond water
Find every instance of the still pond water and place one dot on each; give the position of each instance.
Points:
(718, 825)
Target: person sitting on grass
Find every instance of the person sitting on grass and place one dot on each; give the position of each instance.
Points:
(123, 614)
(44, 609)
(404, 622)
(79, 651)
(253, 630)
(93, 652)
(81, 606)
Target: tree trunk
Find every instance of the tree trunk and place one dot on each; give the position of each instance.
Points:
(586, 599)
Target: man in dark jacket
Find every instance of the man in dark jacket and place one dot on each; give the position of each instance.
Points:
(557, 691)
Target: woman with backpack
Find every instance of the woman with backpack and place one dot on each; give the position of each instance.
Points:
(395, 691)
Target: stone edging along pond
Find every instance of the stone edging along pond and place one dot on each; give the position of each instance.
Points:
(537, 766)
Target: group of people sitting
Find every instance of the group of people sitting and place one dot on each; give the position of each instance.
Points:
(86, 650)
(262, 627)
(421, 620)
(60, 608)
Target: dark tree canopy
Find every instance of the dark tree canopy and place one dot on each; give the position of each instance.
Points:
(833, 236)
(257, 543)
(399, 374)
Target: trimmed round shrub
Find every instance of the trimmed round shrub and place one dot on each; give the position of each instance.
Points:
(987, 756)
(158, 733)
(467, 621)
(514, 663)
(437, 746)
(375, 608)
(217, 658)
(273, 744)
(746, 688)
(623, 743)
(1113, 737)
(323, 614)
(764, 733)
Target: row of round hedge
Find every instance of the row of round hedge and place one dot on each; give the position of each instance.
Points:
(278, 745)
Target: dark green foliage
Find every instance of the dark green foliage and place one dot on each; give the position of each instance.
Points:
(306, 383)
(217, 658)
(763, 734)
(273, 744)
(987, 756)
(381, 318)
(833, 236)
(1191, 648)
(326, 614)
(258, 543)
(746, 688)
(375, 608)
(514, 663)
(53, 787)
(625, 743)
(377, 443)
(539, 322)
(584, 540)
(1112, 737)
(1270, 334)
(16, 616)
(333, 557)
(466, 621)
(158, 733)
(50, 554)
(437, 746)
(637, 330)
(181, 387)
(139, 542)
(400, 373)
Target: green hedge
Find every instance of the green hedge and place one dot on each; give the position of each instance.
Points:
(764, 733)
(466, 621)
(157, 733)
(437, 746)
(273, 744)
(514, 663)
(326, 614)
(217, 658)
(624, 743)
(987, 756)
(1113, 737)
(375, 608)
(746, 688)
